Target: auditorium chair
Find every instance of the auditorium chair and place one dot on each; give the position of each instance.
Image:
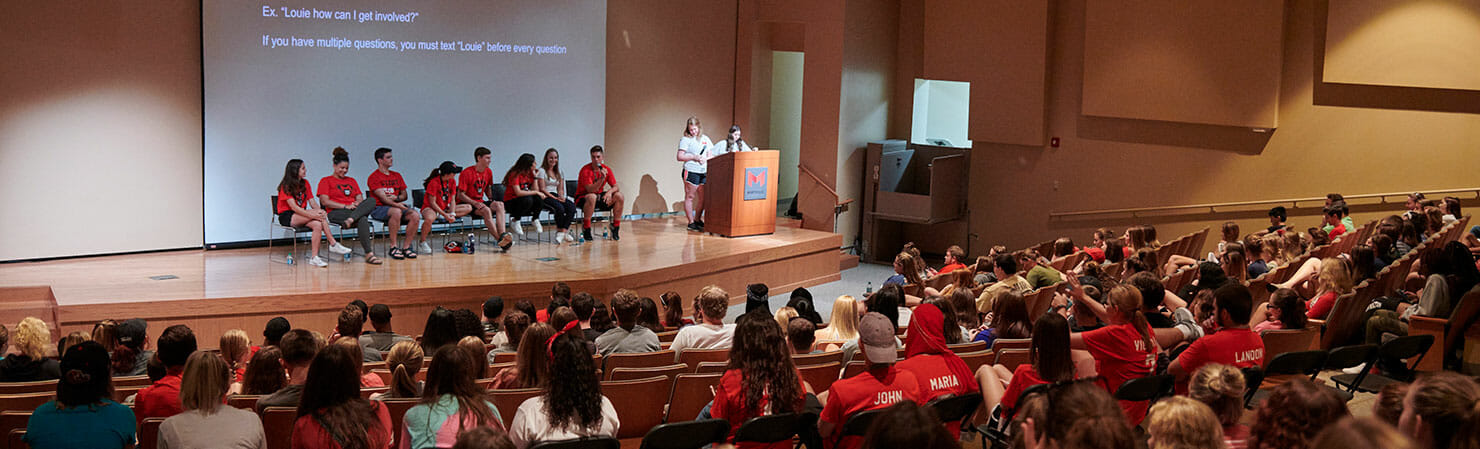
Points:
(962, 348)
(711, 367)
(246, 402)
(633, 400)
(494, 369)
(631, 373)
(638, 360)
(40, 386)
(1449, 334)
(858, 356)
(820, 377)
(274, 227)
(857, 424)
(1011, 358)
(1288, 340)
(1011, 343)
(277, 425)
(816, 359)
(397, 408)
(769, 429)
(955, 408)
(132, 380)
(976, 359)
(149, 433)
(504, 357)
(516, 221)
(16, 439)
(1287, 366)
(120, 394)
(14, 419)
(687, 435)
(1347, 357)
(596, 442)
(1401, 354)
(693, 357)
(853, 368)
(366, 392)
(690, 393)
(24, 402)
(665, 336)
(575, 225)
(1148, 389)
(507, 401)
(449, 230)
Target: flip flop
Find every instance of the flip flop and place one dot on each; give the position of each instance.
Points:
(372, 259)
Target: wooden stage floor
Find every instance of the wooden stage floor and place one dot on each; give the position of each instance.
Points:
(241, 288)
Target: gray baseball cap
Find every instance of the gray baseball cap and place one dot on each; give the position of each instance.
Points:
(876, 338)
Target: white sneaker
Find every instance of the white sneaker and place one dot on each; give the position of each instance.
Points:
(538, 229)
(517, 229)
(1354, 370)
(425, 248)
(340, 249)
(560, 237)
(318, 262)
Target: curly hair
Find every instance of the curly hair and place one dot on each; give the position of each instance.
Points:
(760, 354)
(32, 338)
(1293, 414)
(1221, 387)
(574, 402)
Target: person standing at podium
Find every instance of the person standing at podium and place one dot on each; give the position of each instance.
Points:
(732, 143)
(694, 151)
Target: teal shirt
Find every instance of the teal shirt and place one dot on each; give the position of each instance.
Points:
(106, 424)
(437, 425)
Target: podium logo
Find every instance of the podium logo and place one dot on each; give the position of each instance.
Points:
(756, 181)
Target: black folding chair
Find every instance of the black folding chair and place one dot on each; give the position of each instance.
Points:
(1394, 352)
(1350, 356)
(601, 442)
(1149, 388)
(1253, 376)
(687, 435)
(769, 429)
(858, 424)
(1306, 363)
(997, 432)
(955, 408)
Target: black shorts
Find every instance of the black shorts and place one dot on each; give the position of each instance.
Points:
(695, 178)
(601, 203)
(285, 218)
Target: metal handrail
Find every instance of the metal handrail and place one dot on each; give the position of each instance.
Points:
(1213, 207)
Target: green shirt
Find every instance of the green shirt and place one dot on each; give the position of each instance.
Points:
(1043, 276)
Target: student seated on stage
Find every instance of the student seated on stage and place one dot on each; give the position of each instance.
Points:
(295, 209)
(881, 386)
(440, 201)
(162, 398)
(627, 336)
(383, 337)
(593, 195)
(389, 190)
(341, 197)
(712, 333)
(522, 194)
(476, 190)
(351, 321)
(493, 317)
(299, 347)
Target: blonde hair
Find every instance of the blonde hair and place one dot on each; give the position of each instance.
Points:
(72, 339)
(692, 121)
(1335, 277)
(404, 361)
(32, 338)
(478, 351)
(784, 316)
(235, 346)
(1180, 422)
(843, 324)
(1221, 387)
(205, 381)
(1352, 432)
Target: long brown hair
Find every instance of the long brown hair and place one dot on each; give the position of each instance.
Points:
(332, 396)
(292, 184)
(1010, 317)
(1127, 303)
(265, 373)
(450, 375)
(533, 359)
(764, 361)
(1049, 350)
(1449, 404)
(911, 267)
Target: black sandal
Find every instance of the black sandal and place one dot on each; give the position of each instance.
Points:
(397, 254)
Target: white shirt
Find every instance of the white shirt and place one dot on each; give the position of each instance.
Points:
(722, 147)
(702, 336)
(696, 147)
(530, 425)
(552, 184)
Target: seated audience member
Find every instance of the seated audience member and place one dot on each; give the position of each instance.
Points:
(559, 296)
(451, 404)
(1221, 387)
(265, 374)
(1039, 275)
(483, 438)
(5, 341)
(939, 371)
(1078, 415)
(84, 400)
(1050, 363)
(1005, 268)
(760, 379)
(1450, 273)
(273, 332)
(1352, 432)
(886, 302)
(1285, 310)
(1442, 411)
(1063, 247)
(963, 305)
(130, 356)
(1293, 414)
(712, 333)
(801, 300)
(1388, 406)
(1233, 344)
(951, 329)
(1335, 280)
(842, 324)
(783, 315)
(383, 337)
(514, 325)
(1254, 253)
(908, 425)
(601, 318)
(206, 421)
(71, 340)
(801, 336)
(1364, 263)
(31, 361)
(1277, 216)
(563, 316)
(1179, 422)
(583, 304)
(673, 318)
(162, 398)
(299, 347)
(647, 316)
(404, 361)
(477, 348)
(592, 194)
(1009, 320)
(351, 321)
(493, 314)
(571, 408)
(906, 271)
(984, 273)
(332, 414)
(1153, 295)
(757, 298)
(236, 351)
(1125, 349)
(954, 259)
(468, 325)
(627, 337)
(532, 366)
(880, 386)
(441, 329)
(1235, 263)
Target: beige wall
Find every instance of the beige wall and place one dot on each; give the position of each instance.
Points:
(100, 128)
(870, 33)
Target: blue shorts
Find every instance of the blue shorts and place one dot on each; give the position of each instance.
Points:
(382, 214)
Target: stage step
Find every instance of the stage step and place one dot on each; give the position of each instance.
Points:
(846, 261)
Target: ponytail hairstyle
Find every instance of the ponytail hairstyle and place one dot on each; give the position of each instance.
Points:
(1449, 404)
(1292, 308)
(340, 155)
(1136, 236)
(234, 347)
(1221, 387)
(292, 184)
(525, 164)
(447, 168)
(1127, 303)
(404, 361)
(672, 309)
(1179, 422)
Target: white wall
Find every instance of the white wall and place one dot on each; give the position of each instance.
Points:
(786, 117)
(949, 108)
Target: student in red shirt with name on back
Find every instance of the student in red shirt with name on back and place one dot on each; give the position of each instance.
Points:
(476, 189)
(1123, 350)
(1233, 344)
(759, 373)
(341, 196)
(592, 193)
(939, 371)
(881, 386)
(440, 201)
(295, 209)
(389, 190)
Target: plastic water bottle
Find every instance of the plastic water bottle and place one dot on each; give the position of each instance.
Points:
(290, 257)
(472, 243)
(869, 289)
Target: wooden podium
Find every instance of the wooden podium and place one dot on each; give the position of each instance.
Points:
(740, 194)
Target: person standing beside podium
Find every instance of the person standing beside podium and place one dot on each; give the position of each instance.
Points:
(694, 151)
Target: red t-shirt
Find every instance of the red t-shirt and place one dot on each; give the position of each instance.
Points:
(307, 433)
(1023, 377)
(1336, 232)
(1321, 306)
(523, 180)
(160, 400)
(391, 181)
(441, 193)
(301, 199)
(339, 190)
(1241, 348)
(952, 267)
(729, 404)
(588, 176)
(1098, 254)
(936, 380)
(873, 389)
(475, 183)
(1121, 355)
